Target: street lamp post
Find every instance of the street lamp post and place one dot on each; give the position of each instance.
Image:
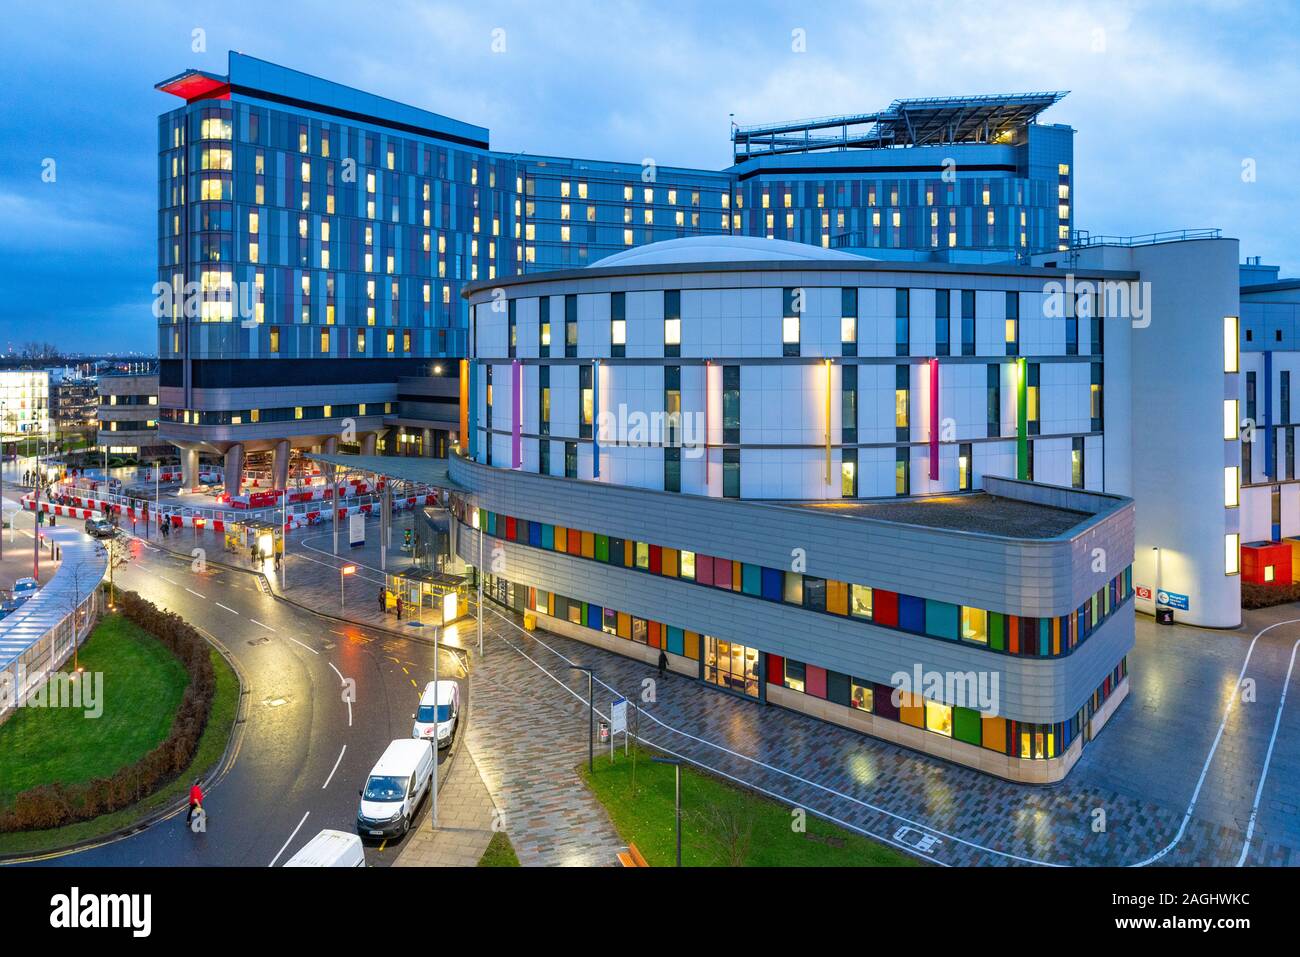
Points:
(677, 768)
(591, 719)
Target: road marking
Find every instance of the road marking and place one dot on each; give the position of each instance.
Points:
(1223, 724)
(308, 647)
(1263, 775)
(335, 768)
(231, 610)
(337, 672)
(196, 594)
(260, 625)
(168, 580)
(291, 837)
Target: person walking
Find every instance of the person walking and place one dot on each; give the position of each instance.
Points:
(196, 801)
(663, 662)
(399, 607)
(383, 601)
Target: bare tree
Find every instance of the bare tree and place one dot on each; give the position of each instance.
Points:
(729, 828)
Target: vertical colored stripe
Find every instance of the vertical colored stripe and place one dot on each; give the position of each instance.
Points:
(595, 419)
(828, 422)
(934, 420)
(473, 409)
(464, 405)
(1022, 420)
(516, 414)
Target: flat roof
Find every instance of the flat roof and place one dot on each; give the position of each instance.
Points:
(977, 512)
(907, 122)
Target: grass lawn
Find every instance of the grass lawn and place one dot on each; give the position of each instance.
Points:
(212, 746)
(722, 825)
(142, 688)
(499, 853)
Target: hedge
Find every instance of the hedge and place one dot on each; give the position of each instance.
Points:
(55, 805)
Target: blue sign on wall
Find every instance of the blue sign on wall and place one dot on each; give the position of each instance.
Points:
(1170, 599)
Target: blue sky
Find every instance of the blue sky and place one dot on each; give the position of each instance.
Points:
(1169, 100)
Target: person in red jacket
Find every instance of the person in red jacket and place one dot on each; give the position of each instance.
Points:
(196, 800)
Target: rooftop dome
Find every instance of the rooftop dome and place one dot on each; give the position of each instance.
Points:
(720, 249)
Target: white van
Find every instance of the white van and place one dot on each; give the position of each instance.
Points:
(437, 719)
(395, 788)
(330, 849)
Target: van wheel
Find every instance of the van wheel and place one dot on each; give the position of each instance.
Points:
(406, 824)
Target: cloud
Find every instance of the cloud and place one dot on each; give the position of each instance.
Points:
(1167, 99)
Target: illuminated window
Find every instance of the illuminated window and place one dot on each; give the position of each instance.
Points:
(1230, 420)
(1231, 553)
(974, 624)
(938, 718)
(860, 601)
(672, 332)
(1231, 493)
(1231, 358)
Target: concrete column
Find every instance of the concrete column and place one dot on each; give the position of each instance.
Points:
(280, 464)
(331, 446)
(368, 443)
(234, 469)
(426, 443)
(189, 468)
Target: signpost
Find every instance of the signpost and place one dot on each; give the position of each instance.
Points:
(356, 529)
(617, 724)
(1170, 599)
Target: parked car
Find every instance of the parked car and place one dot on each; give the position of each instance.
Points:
(438, 711)
(330, 848)
(25, 588)
(100, 528)
(397, 784)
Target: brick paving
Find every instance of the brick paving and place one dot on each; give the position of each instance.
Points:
(528, 737)
(465, 822)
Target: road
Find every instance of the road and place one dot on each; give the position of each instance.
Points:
(305, 750)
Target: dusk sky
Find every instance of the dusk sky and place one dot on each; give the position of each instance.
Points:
(1169, 100)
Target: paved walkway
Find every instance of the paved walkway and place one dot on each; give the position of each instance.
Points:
(466, 816)
(528, 737)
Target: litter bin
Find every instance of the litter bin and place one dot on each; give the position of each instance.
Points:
(530, 622)
(1164, 616)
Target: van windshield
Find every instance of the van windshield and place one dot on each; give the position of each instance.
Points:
(426, 712)
(385, 788)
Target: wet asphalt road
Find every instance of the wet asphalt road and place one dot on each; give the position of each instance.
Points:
(305, 751)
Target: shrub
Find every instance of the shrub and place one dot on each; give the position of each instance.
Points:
(56, 805)
(1266, 596)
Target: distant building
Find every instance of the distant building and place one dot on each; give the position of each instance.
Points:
(24, 403)
(74, 402)
(128, 416)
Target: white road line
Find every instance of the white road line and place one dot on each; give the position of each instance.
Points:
(231, 610)
(1263, 775)
(336, 671)
(1205, 769)
(297, 642)
(349, 712)
(168, 580)
(335, 768)
(291, 837)
(196, 594)
(260, 625)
